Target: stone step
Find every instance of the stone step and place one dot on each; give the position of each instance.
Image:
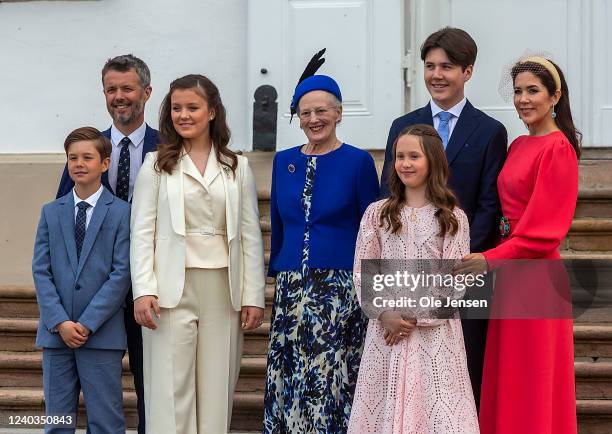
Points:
(593, 340)
(591, 204)
(21, 303)
(264, 210)
(247, 410)
(24, 369)
(594, 415)
(589, 234)
(593, 378)
(256, 341)
(29, 401)
(266, 226)
(18, 302)
(595, 192)
(590, 255)
(252, 375)
(591, 229)
(18, 335)
(594, 204)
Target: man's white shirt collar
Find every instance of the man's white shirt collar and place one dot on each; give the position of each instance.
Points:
(454, 110)
(137, 136)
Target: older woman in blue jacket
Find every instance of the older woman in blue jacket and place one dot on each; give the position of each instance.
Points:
(319, 192)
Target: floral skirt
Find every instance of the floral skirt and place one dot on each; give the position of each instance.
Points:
(316, 340)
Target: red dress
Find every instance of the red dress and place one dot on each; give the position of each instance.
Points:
(528, 378)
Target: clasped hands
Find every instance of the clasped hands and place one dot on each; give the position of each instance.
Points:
(251, 317)
(74, 334)
(397, 327)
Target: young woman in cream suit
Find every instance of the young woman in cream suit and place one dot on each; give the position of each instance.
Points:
(197, 263)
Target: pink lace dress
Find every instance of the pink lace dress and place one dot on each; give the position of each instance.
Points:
(420, 385)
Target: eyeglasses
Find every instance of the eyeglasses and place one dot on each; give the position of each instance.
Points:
(319, 112)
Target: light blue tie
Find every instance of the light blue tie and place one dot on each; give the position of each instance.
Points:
(443, 127)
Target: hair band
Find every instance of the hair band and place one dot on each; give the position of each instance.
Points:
(549, 67)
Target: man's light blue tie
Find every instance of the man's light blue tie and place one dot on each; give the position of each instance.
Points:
(443, 127)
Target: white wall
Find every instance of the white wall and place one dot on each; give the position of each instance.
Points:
(599, 50)
(51, 54)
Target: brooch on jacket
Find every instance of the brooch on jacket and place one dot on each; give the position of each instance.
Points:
(504, 227)
(291, 168)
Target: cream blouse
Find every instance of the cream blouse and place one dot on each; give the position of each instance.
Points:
(205, 225)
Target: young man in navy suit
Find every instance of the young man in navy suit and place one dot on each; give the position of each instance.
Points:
(126, 82)
(476, 146)
(82, 275)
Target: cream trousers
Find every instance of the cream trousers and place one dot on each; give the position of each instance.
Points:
(192, 360)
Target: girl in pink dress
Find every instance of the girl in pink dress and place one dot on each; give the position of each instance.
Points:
(413, 376)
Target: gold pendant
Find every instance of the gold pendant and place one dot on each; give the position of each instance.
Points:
(413, 216)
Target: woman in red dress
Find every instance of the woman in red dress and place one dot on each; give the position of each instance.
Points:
(528, 378)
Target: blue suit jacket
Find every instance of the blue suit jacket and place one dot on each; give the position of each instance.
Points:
(91, 291)
(476, 153)
(345, 184)
(151, 140)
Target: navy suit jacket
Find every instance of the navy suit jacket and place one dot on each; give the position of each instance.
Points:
(91, 291)
(476, 153)
(151, 140)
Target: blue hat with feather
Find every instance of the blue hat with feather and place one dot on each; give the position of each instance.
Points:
(309, 82)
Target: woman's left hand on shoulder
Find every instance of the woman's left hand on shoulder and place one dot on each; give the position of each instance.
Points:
(251, 317)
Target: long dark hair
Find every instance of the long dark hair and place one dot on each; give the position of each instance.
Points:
(437, 190)
(562, 110)
(171, 144)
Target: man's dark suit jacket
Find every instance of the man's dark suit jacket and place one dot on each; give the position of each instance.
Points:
(151, 139)
(132, 328)
(476, 153)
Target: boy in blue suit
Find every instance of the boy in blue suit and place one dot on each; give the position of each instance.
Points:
(475, 146)
(126, 83)
(82, 275)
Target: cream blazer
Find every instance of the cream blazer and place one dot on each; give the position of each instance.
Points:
(157, 250)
